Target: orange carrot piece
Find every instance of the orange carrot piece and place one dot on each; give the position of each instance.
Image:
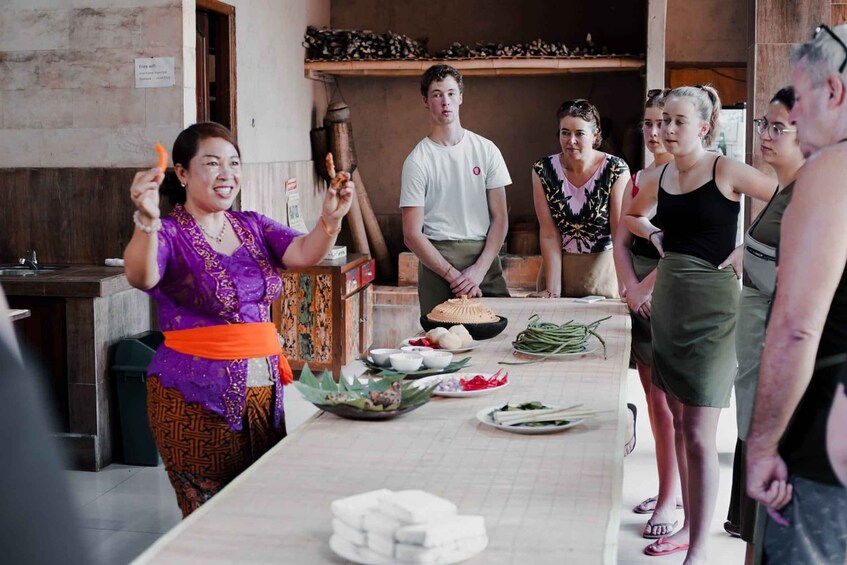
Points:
(162, 163)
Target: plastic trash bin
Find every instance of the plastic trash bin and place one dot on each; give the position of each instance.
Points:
(129, 366)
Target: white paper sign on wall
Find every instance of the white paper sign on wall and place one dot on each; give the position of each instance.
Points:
(154, 72)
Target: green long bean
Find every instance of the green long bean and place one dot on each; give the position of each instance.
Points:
(546, 337)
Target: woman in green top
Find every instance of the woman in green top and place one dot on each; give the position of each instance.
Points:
(781, 150)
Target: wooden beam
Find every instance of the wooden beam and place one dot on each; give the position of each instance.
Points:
(478, 67)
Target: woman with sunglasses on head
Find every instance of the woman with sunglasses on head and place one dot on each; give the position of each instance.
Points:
(577, 195)
(636, 260)
(781, 150)
(695, 297)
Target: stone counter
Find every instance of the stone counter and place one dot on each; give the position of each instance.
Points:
(78, 314)
(74, 280)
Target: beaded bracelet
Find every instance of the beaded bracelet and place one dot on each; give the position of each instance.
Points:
(149, 230)
(327, 231)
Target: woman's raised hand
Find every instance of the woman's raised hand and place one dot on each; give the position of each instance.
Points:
(145, 192)
(338, 197)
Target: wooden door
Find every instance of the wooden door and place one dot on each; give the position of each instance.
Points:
(215, 64)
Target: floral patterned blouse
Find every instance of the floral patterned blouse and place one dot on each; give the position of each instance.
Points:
(201, 287)
(580, 212)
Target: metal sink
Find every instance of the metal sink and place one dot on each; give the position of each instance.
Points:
(25, 271)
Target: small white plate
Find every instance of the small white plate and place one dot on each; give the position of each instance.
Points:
(350, 552)
(429, 381)
(474, 344)
(590, 347)
(485, 417)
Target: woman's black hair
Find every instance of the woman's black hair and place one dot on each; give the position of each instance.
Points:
(185, 148)
(785, 96)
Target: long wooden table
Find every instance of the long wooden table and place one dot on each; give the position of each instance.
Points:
(545, 498)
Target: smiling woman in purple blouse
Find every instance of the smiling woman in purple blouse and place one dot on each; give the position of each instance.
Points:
(214, 392)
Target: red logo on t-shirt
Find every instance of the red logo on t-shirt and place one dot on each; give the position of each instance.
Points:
(476, 171)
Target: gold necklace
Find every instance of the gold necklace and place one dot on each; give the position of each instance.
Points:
(216, 238)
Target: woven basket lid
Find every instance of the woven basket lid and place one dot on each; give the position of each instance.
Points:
(462, 311)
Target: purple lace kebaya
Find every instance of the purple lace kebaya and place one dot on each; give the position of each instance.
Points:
(201, 287)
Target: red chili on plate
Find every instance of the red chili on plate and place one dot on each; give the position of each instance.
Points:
(478, 382)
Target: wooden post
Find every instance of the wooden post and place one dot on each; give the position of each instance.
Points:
(380, 251)
(657, 15)
(357, 226)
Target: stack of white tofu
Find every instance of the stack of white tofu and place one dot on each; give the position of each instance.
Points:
(407, 526)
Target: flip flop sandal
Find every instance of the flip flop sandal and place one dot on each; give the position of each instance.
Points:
(648, 505)
(650, 525)
(674, 548)
(629, 447)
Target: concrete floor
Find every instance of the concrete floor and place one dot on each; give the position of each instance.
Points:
(123, 509)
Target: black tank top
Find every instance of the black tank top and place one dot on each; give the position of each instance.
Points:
(702, 223)
(803, 446)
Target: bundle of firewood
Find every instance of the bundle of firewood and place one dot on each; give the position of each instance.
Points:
(348, 44)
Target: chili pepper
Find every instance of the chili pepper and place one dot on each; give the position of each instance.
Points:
(162, 163)
(423, 342)
(479, 382)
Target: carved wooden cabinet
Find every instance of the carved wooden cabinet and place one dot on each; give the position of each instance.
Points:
(324, 313)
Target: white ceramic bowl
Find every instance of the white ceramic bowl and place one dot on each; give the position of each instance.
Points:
(380, 356)
(436, 359)
(416, 348)
(405, 362)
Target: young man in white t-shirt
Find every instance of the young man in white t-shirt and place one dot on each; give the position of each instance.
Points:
(453, 199)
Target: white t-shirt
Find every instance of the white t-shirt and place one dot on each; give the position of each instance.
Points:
(450, 183)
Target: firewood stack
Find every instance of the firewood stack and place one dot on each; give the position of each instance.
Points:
(356, 45)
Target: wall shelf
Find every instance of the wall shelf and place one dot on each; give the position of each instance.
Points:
(321, 70)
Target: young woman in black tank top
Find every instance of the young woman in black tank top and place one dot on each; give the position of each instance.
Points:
(635, 261)
(694, 299)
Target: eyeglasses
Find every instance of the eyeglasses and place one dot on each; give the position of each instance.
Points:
(774, 130)
(831, 33)
(660, 92)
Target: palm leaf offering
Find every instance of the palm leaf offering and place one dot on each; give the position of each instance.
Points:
(383, 394)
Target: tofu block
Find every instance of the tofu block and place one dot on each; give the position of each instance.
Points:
(352, 509)
(416, 507)
(376, 522)
(381, 544)
(357, 554)
(345, 532)
(449, 553)
(442, 532)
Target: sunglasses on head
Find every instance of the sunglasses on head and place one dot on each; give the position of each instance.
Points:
(825, 28)
(580, 103)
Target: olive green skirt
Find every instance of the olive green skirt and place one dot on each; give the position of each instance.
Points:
(642, 336)
(693, 323)
(749, 342)
(433, 290)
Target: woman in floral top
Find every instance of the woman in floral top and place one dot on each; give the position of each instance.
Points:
(577, 195)
(214, 392)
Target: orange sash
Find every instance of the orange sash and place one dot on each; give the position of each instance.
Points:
(231, 341)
